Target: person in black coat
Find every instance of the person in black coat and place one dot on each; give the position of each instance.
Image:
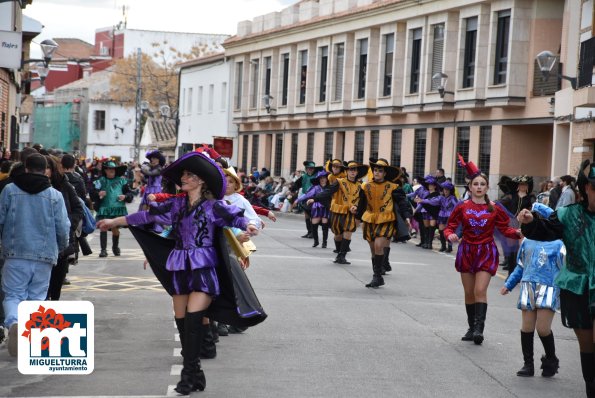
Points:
(74, 208)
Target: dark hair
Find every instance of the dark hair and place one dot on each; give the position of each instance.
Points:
(569, 180)
(440, 169)
(67, 161)
(36, 163)
(56, 176)
(487, 199)
(26, 152)
(5, 166)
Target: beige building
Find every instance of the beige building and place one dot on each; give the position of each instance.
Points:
(353, 79)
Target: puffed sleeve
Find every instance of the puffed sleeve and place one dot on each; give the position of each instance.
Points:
(543, 229)
(225, 215)
(456, 218)
(160, 213)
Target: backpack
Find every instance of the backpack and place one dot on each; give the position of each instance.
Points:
(88, 219)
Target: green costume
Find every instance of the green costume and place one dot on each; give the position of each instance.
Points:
(110, 206)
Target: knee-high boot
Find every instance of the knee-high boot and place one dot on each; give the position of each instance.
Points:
(343, 252)
(385, 260)
(103, 244)
(116, 245)
(192, 377)
(430, 237)
(588, 369)
(309, 228)
(528, 368)
(549, 363)
(337, 245)
(422, 235)
(470, 308)
(377, 279)
(480, 316)
(315, 235)
(180, 326)
(324, 235)
(442, 242)
(208, 349)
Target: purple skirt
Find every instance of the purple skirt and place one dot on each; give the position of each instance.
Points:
(473, 258)
(427, 216)
(197, 280)
(442, 220)
(319, 211)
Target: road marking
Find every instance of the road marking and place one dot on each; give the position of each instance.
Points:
(175, 370)
(112, 283)
(177, 352)
(257, 255)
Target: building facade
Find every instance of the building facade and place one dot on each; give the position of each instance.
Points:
(353, 79)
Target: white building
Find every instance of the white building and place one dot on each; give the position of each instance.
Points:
(204, 106)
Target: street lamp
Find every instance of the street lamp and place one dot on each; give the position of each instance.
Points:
(116, 127)
(439, 79)
(48, 47)
(546, 61)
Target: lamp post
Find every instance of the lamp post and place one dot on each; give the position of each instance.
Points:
(546, 61)
(440, 79)
(48, 47)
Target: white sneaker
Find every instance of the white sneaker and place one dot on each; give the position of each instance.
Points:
(13, 342)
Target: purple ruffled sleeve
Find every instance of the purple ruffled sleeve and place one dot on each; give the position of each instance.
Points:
(159, 213)
(225, 215)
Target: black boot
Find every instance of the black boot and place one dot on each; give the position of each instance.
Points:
(549, 362)
(588, 368)
(180, 325)
(324, 235)
(385, 262)
(422, 236)
(480, 317)
(192, 377)
(430, 237)
(449, 248)
(343, 252)
(308, 234)
(115, 244)
(103, 244)
(208, 349)
(84, 245)
(377, 279)
(337, 246)
(315, 235)
(442, 242)
(511, 263)
(528, 368)
(470, 308)
(214, 331)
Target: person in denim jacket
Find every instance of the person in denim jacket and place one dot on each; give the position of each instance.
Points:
(538, 264)
(34, 227)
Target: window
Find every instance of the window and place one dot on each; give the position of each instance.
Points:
(395, 147)
(310, 146)
(469, 57)
(239, 77)
(211, 97)
(223, 95)
(415, 60)
(254, 83)
(245, 153)
(362, 65)
(254, 162)
(389, 48)
(338, 72)
(189, 100)
(359, 147)
(328, 145)
(502, 36)
(437, 54)
(285, 80)
(278, 153)
(463, 150)
(419, 153)
(374, 142)
(294, 151)
(99, 120)
(485, 148)
(266, 89)
(303, 75)
(323, 73)
(440, 147)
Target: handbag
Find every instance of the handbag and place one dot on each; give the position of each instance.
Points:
(89, 222)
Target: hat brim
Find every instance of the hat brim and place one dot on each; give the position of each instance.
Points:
(362, 171)
(120, 170)
(236, 179)
(583, 177)
(158, 155)
(392, 173)
(198, 164)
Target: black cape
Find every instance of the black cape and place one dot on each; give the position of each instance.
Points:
(237, 304)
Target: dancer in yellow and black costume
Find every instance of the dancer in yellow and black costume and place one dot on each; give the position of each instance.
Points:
(380, 199)
(335, 169)
(345, 193)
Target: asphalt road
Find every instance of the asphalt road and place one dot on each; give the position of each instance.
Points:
(326, 334)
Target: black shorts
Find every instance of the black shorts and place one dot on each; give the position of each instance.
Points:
(574, 310)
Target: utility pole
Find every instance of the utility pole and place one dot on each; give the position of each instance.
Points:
(137, 132)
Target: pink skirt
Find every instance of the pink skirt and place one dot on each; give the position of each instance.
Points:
(474, 258)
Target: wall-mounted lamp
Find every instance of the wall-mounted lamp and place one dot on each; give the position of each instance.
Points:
(117, 128)
(440, 80)
(546, 61)
(267, 103)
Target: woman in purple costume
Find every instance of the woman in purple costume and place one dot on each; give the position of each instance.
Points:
(477, 256)
(194, 218)
(429, 209)
(446, 202)
(320, 211)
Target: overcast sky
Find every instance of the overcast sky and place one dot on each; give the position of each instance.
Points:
(80, 18)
